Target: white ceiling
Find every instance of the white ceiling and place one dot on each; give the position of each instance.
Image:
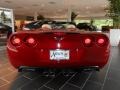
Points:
(57, 8)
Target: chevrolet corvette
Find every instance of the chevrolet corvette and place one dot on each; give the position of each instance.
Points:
(58, 45)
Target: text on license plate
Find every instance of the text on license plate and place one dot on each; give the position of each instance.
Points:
(59, 54)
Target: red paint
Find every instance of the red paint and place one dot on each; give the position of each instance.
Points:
(38, 54)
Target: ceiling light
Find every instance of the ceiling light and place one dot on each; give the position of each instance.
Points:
(7, 1)
(35, 5)
(88, 7)
(41, 9)
(52, 2)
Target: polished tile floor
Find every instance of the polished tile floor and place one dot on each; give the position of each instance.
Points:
(107, 79)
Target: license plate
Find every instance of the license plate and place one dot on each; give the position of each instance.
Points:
(59, 54)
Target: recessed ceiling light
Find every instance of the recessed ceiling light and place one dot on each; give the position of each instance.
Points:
(52, 2)
(7, 1)
(41, 9)
(88, 7)
(35, 5)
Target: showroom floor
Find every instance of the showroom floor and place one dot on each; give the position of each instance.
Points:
(107, 79)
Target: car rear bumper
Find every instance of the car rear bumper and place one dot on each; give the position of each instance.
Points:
(78, 58)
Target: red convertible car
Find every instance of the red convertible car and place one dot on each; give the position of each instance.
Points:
(58, 45)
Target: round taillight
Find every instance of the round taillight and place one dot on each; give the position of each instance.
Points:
(16, 41)
(101, 41)
(88, 41)
(31, 41)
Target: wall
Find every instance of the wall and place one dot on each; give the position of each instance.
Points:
(114, 37)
